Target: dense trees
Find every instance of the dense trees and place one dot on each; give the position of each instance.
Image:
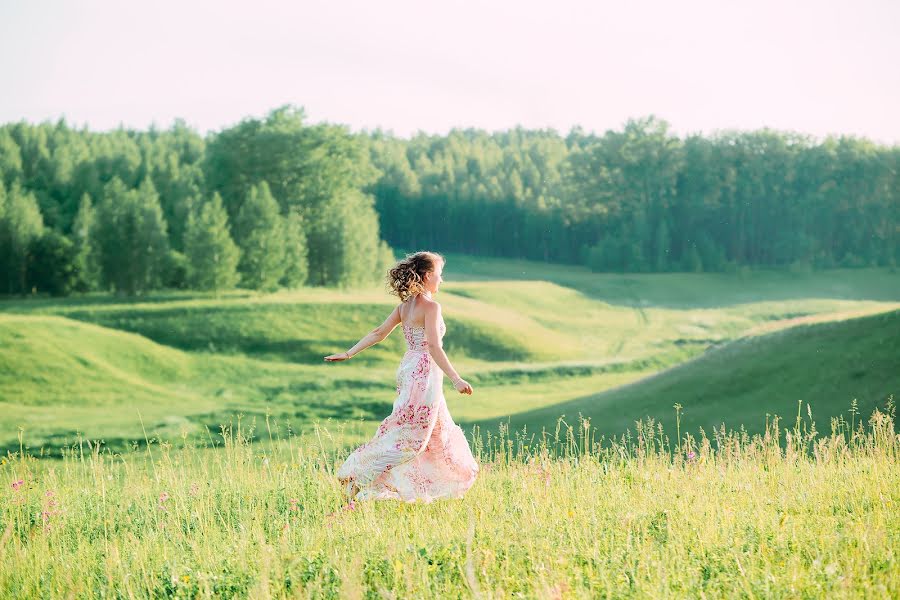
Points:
(21, 227)
(315, 171)
(278, 202)
(212, 256)
(642, 199)
(267, 203)
(259, 230)
(132, 237)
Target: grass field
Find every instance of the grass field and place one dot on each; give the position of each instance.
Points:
(566, 517)
(754, 376)
(537, 341)
(220, 426)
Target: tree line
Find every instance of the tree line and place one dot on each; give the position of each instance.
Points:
(268, 203)
(641, 199)
(277, 202)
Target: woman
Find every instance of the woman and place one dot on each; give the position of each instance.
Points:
(418, 451)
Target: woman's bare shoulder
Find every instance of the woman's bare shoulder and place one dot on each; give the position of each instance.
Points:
(431, 303)
(430, 307)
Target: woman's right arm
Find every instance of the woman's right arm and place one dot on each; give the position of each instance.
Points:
(436, 349)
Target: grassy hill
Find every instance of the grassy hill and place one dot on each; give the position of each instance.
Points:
(529, 336)
(826, 365)
(60, 378)
(686, 290)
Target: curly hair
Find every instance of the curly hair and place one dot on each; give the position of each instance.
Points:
(407, 277)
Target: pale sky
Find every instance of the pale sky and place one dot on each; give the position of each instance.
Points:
(814, 67)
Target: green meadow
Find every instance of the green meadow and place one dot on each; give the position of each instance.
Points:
(662, 435)
(786, 514)
(538, 342)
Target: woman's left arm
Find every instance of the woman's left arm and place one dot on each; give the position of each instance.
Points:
(373, 337)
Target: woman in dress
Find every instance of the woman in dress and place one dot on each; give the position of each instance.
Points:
(418, 451)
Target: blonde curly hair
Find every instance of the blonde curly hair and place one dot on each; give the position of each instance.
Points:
(407, 277)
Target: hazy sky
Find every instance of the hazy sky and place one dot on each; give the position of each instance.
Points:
(815, 67)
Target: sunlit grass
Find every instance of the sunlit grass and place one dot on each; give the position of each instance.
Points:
(791, 513)
(827, 364)
(516, 330)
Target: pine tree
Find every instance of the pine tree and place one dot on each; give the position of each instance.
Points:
(211, 254)
(131, 236)
(259, 232)
(296, 253)
(87, 263)
(152, 245)
(21, 224)
(347, 242)
(110, 219)
(52, 268)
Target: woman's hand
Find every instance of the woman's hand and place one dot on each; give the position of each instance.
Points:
(462, 386)
(337, 357)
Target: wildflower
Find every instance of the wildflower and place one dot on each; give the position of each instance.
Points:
(545, 473)
(350, 506)
(162, 500)
(294, 502)
(17, 484)
(185, 579)
(691, 455)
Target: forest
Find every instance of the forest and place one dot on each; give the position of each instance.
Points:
(279, 202)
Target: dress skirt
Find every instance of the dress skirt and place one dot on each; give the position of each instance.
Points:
(418, 452)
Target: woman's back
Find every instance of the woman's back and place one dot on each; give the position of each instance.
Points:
(412, 315)
(412, 311)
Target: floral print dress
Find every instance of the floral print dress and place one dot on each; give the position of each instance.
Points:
(418, 452)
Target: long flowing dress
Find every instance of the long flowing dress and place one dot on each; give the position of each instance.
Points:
(418, 452)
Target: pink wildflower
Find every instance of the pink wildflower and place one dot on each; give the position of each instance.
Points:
(17, 484)
(294, 502)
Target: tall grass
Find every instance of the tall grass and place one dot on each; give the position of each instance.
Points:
(556, 514)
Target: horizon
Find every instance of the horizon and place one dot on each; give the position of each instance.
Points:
(817, 139)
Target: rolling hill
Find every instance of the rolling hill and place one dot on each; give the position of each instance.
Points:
(825, 365)
(537, 341)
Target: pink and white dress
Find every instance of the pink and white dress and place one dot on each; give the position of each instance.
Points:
(418, 452)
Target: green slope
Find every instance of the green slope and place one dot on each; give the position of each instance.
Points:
(826, 365)
(190, 359)
(53, 361)
(60, 378)
(302, 328)
(686, 290)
